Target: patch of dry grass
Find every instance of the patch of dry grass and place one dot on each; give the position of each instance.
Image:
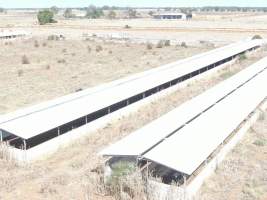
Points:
(242, 175)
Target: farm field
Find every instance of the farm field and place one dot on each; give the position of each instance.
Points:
(37, 69)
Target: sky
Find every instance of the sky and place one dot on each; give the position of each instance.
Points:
(130, 3)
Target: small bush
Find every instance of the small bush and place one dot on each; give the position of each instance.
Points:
(53, 37)
(110, 51)
(47, 67)
(64, 50)
(126, 182)
(25, 60)
(183, 44)
(242, 57)
(45, 17)
(61, 61)
(36, 44)
(20, 72)
(89, 49)
(44, 44)
(226, 75)
(255, 37)
(127, 26)
(149, 46)
(260, 143)
(167, 43)
(98, 48)
(160, 44)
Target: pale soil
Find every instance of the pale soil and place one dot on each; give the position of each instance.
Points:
(218, 29)
(68, 173)
(243, 174)
(61, 67)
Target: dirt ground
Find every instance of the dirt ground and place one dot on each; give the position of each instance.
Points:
(69, 174)
(216, 28)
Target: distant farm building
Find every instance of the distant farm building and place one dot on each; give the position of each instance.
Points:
(4, 35)
(181, 16)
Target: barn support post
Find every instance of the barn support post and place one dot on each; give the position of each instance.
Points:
(1, 136)
(24, 144)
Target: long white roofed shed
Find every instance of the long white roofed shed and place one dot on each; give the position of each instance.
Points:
(59, 116)
(144, 139)
(191, 146)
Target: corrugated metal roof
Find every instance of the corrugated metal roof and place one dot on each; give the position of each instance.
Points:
(145, 138)
(189, 147)
(44, 118)
(107, 86)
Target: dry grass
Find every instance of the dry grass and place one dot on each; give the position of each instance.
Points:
(74, 64)
(242, 175)
(72, 172)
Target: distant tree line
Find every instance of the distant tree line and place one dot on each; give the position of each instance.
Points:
(110, 12)
(2, 10)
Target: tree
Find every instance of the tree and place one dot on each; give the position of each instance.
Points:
(105, 7)
(54, 9)
(45, 16)
(68, 13)
(112, 14)
(2, 10)
(151, 13)
(93, 12)
(132, 13)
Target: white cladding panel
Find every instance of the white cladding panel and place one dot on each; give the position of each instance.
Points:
(189, 147)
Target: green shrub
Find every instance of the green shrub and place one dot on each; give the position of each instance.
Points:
(260, 143)
(119, 171)
(242, 57)
(45, 17)
(255, 37)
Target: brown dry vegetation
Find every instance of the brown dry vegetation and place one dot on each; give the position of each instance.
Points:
(243, 174)
(33, 73)
(69, 174)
